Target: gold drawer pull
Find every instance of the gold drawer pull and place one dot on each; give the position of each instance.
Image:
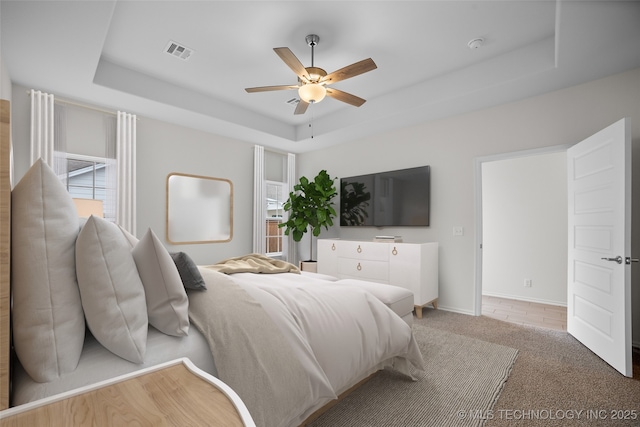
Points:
(359, 267)
(394, 251)
(333, 246)
(359, 249)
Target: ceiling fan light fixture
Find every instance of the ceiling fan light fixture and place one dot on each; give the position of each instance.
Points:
(315, 74)
(312, 80)
(312, 92)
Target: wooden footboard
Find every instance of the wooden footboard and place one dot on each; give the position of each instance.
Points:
(5, 255)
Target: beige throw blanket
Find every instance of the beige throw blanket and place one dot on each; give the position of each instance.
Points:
(253, 263)
(251, 355)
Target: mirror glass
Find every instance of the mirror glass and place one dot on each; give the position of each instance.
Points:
(199, 209)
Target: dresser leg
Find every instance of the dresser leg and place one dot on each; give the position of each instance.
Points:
(419, 308)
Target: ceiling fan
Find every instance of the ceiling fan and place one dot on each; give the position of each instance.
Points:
(313, 81)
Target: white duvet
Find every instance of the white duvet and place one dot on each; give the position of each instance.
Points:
(286, 343)
(351, 333)
(340, 334)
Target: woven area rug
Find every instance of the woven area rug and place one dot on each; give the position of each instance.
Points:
(462, 380)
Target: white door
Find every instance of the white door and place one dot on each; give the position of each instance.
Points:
(599, 277)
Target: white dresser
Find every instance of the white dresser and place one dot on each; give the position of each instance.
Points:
(413, 266)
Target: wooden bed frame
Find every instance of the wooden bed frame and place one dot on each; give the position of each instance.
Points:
(5, 254)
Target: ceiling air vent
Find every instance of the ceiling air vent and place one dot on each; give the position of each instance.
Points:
(293, 101)
(178, 50)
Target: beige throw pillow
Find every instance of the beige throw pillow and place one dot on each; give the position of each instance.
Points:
(48, 322)
(111, 290)
(167, 303)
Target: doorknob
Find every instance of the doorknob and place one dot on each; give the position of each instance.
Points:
(629, 260)
(617, 259)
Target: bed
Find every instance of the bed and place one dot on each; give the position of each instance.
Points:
(91, 302)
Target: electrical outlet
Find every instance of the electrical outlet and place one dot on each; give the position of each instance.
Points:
(527, 283)
(458, 231)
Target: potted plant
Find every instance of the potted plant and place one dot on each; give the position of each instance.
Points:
(310, 208)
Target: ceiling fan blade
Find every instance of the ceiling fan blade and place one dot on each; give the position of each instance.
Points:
(349, 71)
(292, 61)
(301, 108)
(270, 88)
(345, 97)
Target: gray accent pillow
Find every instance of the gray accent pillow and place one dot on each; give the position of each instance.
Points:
(188, 270)
(167, 302)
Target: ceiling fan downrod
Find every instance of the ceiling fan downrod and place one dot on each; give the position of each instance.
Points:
(312, 40)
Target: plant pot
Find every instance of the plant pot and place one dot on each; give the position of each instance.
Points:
(311, 266)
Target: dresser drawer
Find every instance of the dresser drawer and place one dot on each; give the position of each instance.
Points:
(364, 269)
(363, 250)
(413, 266)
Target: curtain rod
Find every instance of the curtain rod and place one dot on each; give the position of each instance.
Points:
(78, 104)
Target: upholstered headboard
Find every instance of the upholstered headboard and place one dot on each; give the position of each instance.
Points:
(5, 255)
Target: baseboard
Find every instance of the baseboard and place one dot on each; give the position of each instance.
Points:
(520, 298)
(455, 310)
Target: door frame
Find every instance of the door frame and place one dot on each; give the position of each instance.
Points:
(478, 161)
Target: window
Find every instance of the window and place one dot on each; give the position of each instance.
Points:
(276, 196)
(272, 175)
(91, 178)
(86, 179)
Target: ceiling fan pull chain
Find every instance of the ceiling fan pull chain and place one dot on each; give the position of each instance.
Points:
(311, 123)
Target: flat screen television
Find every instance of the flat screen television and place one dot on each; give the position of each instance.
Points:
(386, 199)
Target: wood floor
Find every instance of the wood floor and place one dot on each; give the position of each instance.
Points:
(525, 313)
(541, 315)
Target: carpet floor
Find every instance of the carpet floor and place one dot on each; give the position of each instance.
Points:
(463, 378)
(555, 381)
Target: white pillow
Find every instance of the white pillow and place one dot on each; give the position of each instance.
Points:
(48, 322)
(111, 290)
(167, 302)
(133, 240)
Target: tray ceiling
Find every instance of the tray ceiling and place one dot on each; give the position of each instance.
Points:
(113, 54)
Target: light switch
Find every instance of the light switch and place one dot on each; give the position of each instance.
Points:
(458, 231)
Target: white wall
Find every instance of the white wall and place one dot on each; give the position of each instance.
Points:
(20, 116)
(163, 148)
(5, 82)
(524, 218)
(451, 146)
